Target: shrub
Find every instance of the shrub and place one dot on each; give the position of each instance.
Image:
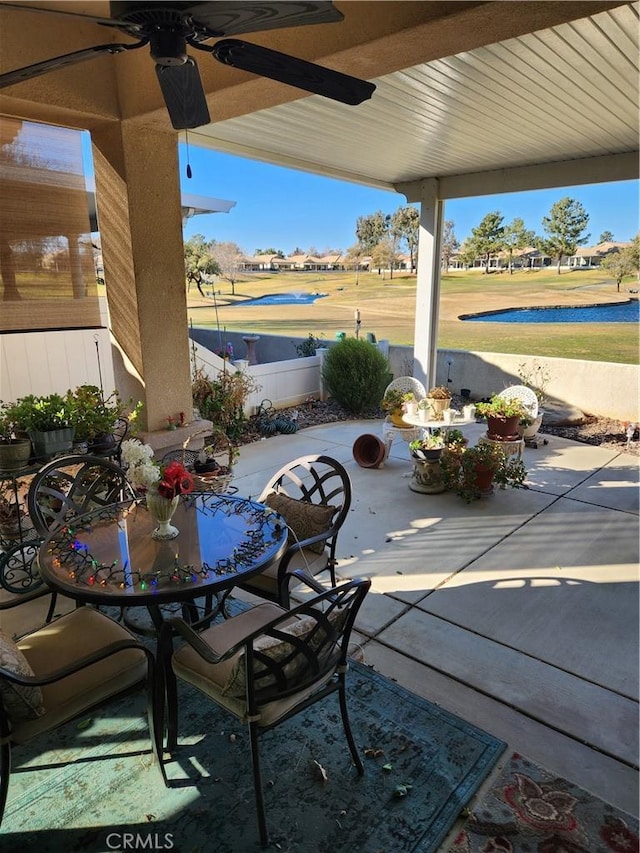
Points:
(356, 374)
(309, 346)
(222, 400)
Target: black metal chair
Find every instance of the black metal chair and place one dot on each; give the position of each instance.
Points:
(62, 671)
(60, 490)
(313, 494)
(72, 485)
(266, 665)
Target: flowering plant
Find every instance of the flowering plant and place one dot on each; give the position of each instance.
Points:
(145, 473)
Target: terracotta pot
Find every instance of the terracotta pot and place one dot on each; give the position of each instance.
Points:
(484, 479)
(369, 451)
(502, 429)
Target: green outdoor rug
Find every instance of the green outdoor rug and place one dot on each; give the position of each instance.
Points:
(91, 783)
(529, 809)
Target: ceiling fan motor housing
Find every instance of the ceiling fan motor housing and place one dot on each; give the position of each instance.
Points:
(168, 47)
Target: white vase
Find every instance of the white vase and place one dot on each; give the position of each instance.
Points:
(162, 510)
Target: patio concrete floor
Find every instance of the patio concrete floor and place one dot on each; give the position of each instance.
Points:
(518, 612)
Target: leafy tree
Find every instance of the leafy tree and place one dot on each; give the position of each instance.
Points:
(467, 253)
(371, 229)
(565, 225)
(516, 237)
(621, 263)
(405, 223)
(227, 256)
(199, 262)
(606, 237)
(278, 253)
(450, 244)
(487, 238)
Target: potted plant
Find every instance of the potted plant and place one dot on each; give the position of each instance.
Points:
(439, 399)
(95, 416)
(216, 460)
(48, 420)
(471, 471)
(429, 447)
(503, 417)
(393, 404)
(535, 376)
(409, 403)
(15, 449)
(424, 409)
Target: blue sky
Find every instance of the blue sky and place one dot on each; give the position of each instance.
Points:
(286, 208)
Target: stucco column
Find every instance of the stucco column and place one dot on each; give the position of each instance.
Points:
(425, 347)
(140, 221)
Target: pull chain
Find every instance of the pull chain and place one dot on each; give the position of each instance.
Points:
(189, 172)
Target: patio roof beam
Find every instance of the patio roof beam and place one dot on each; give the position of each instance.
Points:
(564, 173)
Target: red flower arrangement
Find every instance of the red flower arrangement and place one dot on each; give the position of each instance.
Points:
(145, 474)
(174, 480)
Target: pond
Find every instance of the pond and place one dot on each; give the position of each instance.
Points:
(284, 299)
(622, 312)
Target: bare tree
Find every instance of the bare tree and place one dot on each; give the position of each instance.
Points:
(228, 256)
(450, 244)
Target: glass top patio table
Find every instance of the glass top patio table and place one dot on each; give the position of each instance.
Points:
(109, 557)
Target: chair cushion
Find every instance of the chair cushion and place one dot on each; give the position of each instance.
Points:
(304, 519)
(63, 642)
(272, 648)
(267, 581)
(20, 702)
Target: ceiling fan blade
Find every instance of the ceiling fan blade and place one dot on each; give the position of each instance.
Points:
(183, 94)
(292, 71)
(228, 18)
(107, 22)
(57, 62)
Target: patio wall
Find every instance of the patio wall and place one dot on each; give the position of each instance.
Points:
(52, 362)
(595, 387)
(44, 362)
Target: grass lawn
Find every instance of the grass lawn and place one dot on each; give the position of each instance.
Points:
(387, 308)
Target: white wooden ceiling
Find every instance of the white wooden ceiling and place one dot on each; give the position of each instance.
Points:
(560, 94)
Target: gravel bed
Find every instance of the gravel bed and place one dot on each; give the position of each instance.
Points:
(598, 431)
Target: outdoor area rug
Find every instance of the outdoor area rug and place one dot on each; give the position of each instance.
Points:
(92, 786)
(528, 810)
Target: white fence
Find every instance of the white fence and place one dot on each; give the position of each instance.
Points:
(44, 362)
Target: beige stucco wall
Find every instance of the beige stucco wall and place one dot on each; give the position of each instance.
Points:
(595, 387)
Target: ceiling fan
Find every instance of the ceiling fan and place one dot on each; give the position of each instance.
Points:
(170, 27)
